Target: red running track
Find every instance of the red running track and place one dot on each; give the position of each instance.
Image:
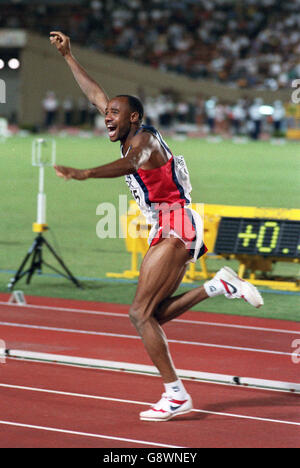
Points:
(242, 346)
(224, 416)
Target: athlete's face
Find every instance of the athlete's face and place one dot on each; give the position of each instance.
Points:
(118, 117)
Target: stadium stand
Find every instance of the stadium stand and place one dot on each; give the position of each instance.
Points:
(254, 43)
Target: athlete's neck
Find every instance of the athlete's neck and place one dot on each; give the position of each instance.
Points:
(125, 141)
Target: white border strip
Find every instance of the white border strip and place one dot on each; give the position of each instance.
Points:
(124, 315)
(145, 369)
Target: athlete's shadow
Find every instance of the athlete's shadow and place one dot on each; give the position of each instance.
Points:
(288, 403)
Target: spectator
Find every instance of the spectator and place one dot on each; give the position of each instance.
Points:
(182, 111)
(68, 108)
(92, 114)
(82, 106)
(238, 117)
(50, 106)
(210, 113)
(278, 117)
(150, 109)
(165, 109)
(256, 118)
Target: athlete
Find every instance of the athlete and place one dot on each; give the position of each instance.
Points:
(159, 182)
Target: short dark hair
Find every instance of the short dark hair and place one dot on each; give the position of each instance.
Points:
(134, 104)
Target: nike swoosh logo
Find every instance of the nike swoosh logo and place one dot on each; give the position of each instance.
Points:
(226, 285)
(178, 405)
(174, 408)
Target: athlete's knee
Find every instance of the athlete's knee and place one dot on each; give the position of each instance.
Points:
(133, 315)
(138, 317)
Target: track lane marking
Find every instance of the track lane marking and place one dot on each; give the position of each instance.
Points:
(87, 434)
(125, 315)
(135, 337)
(118, 400)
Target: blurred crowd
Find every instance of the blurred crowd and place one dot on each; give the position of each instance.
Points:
(68, 112)
(171, 113)
(253, 43)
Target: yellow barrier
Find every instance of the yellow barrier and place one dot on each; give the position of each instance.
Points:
(136, 234)
(293, 134)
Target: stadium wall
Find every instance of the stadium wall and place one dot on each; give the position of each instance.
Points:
(44, 69)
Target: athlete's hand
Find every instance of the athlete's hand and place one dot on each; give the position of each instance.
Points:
(70, 173)
(61, 42)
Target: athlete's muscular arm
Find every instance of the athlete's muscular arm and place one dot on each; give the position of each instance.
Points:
(95, 94)
(142, 147)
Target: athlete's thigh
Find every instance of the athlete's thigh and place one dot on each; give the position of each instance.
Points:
(161, 271)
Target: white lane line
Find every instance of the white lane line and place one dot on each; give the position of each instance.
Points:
(124, 315)
(118, 400)
(135, 337)
(254, 418)
(87, 434)
(80, 395)
(242, 327)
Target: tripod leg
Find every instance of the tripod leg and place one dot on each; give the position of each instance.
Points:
(20, 273)
(60, 261)
(36, 261)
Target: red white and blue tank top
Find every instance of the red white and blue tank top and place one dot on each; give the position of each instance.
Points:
(169, 184)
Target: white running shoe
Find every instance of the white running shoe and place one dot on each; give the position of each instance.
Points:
(227, 282)
(166, 408)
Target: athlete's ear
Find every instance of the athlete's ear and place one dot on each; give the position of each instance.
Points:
(134, 117)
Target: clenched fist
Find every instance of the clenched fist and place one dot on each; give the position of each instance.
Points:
(61, 41)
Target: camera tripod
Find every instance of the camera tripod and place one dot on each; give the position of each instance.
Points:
(43, 154)
(36, 254)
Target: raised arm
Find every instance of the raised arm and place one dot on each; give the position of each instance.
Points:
(95, 94)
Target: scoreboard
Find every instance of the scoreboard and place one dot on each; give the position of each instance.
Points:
(266, 237)
(256, 237)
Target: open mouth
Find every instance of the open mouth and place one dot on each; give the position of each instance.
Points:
(111, 131)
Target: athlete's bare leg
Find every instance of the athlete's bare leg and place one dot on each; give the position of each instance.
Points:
(173, 307)
(161, 272)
